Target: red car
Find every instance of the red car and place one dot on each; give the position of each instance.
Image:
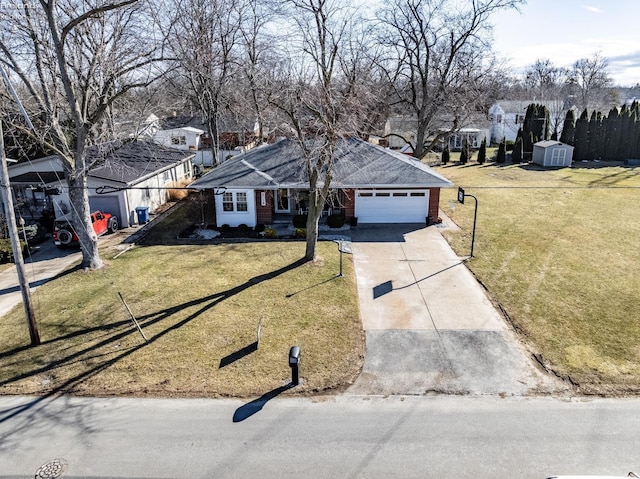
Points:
(65, 235)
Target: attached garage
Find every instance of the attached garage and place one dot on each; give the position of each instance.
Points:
(392, 206)
(106, 204)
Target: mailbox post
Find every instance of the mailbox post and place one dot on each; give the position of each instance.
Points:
(294, 364)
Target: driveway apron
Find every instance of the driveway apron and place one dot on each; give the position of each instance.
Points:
(429, 325)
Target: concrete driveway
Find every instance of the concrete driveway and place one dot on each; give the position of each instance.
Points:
(429, 324)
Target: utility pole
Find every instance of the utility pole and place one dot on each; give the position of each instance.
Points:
(7, 200)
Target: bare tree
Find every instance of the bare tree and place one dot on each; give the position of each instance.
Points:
(258, 55)
(205, 42)
(75, 59)
(437, 57)
(545, 80)
(322, 90)
(590, 81)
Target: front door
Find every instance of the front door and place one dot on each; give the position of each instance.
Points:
(282, 201)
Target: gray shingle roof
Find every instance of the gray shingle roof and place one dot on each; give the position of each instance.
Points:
(358, 164)
(134, 161)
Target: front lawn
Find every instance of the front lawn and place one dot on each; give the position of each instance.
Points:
(558, 249)
(199, 307)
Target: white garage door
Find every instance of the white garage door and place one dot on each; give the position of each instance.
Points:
(392, 206)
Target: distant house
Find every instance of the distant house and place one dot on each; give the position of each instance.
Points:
(191, 132)
(370, 183)
(183, 138)
(136, 174)
(506, 117)
(401, 128)
(552, 153)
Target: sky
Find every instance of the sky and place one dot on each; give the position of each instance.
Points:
(567, 30)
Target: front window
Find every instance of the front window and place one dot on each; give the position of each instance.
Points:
(178, 140)
(227, 202)
(241, 202)
(235, 201)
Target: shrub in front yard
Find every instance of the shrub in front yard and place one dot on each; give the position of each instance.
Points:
(335, 221)
(300, 221)
(301, 233)
(270, 233)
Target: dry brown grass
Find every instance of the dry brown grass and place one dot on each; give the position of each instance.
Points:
(558, 249)
(175, 191)
(199, 306)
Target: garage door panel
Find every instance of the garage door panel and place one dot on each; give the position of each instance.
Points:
(401, 206)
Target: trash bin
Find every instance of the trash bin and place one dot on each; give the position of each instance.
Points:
(143, 214)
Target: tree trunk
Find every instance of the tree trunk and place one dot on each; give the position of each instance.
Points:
(316, 203)
(212, 125)
(421, 133)
(81, 220)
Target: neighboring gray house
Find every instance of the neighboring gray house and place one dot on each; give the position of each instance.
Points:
(136, 174)
(370, 183)
(552, 153)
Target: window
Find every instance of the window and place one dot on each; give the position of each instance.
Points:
(499, 118)
(227, 202)
(519, 119)
(235, 201)
(187, 170)
(146, 194)
(367, 195)
(383, 194)
(178, 140)
(241, 202)
(166, 175)
(418, 193)
(399, 194)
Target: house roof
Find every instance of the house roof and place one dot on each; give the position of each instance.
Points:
(357, 164)
(38, 177)
(135, 161)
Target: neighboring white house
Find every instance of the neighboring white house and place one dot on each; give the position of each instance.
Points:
(474, 137)
(507, 116)
(137, 174)
(552, 153)
(183, 138)
(397, 129)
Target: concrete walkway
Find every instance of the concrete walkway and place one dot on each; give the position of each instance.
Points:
(43, 264)
(429, 324)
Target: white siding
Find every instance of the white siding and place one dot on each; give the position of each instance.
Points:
(236, 217)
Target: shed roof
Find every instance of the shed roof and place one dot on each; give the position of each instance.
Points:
(357, 164)
(548, 143)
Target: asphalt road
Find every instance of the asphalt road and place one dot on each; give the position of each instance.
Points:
(334, 437)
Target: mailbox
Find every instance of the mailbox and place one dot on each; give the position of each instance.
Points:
(294, 356)
(294, 363)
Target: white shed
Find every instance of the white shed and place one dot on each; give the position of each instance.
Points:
(552, 153)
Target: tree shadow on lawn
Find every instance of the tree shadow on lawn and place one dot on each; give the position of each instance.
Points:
(206, 303)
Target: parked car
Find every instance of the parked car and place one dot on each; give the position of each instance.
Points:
(65, 235)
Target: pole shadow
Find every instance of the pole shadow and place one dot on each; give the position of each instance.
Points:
(239, 354)
(387, 286)
(247, 410)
